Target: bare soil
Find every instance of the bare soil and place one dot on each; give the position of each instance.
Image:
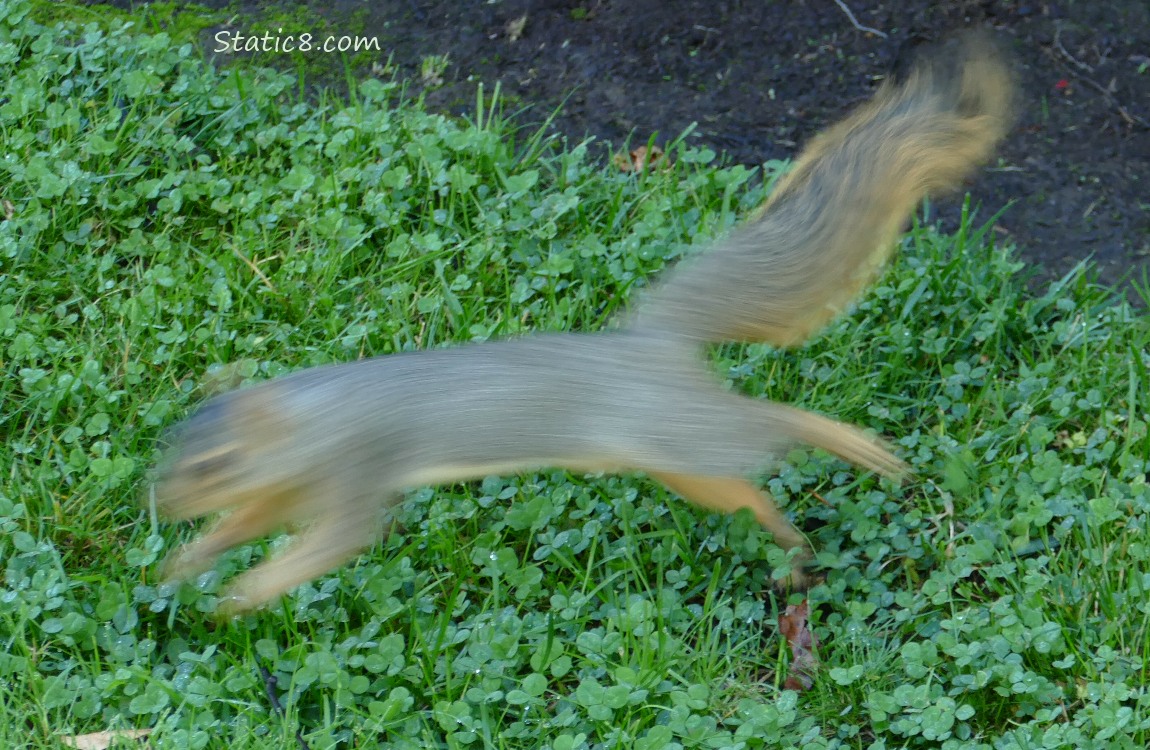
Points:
(757, 78)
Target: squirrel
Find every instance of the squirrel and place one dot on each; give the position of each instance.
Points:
(330, 447)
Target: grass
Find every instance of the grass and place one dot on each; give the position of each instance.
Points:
(167, 228)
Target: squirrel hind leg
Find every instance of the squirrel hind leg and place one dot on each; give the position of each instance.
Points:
(730, 494)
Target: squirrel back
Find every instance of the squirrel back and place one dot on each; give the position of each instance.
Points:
(832, 222)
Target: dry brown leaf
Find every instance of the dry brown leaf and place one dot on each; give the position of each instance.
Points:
(104, 740)
(641, 158)
(793, 624)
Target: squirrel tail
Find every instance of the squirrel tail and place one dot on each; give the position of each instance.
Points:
(832, 222)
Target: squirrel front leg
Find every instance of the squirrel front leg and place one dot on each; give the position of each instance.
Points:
(326, 542)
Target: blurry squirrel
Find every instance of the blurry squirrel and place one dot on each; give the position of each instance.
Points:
(330, 447)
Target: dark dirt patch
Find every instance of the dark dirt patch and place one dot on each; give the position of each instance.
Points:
(759, 78)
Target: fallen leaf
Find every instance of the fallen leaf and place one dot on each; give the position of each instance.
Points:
(103, 740)
(804, 662)
(515, 28)
(640, 158)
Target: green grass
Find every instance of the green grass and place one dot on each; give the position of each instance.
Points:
(164, 227)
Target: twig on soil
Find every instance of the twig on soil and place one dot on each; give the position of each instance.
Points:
(1058, 43)
(1126, 114)
(277, 707)
(854, 21)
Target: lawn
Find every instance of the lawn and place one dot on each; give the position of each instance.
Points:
(167, 229)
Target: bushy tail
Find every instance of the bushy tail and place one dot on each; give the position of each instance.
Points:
(834, 219)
